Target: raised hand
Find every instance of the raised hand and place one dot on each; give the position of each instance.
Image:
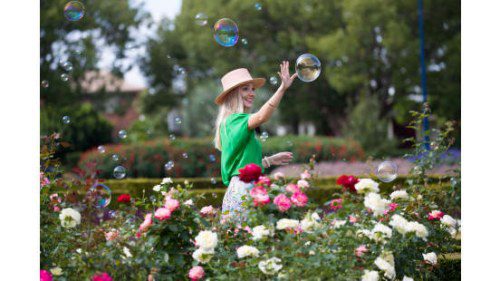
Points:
(284, 73)
(281, 158)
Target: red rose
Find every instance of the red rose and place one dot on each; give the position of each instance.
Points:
(250, 172)
(348, 182)
(124, 198)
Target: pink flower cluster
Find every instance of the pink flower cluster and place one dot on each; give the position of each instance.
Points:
(336, 204)
(102, 277)
(161, 214)
(435, 215)
(43, 180)
(45, 275)
(196, 273)
(208, 211)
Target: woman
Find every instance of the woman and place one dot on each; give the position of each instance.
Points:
(235, 132)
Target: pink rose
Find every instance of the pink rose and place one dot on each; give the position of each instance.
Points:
(282, 202)
(163, 213)
(303, 184)
(299, 199)
(435, 215)
(305, 175)
(260, 196)
(102, 277)
(171, 204)
(43, 180)
(57, 209)
(263, 180)
(353, 219)
(55, 198)
(336, 204)
(45, 275)
(146, 224)
(207, 211)
(392, 208)
(361, 250)
(111, 235)
(279, 175)
(196, 273)
(292, 188)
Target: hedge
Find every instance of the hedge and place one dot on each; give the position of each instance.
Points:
(147, 159)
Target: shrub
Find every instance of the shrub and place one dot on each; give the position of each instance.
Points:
(147, 159)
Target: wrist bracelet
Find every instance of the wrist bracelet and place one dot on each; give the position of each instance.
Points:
(267, 162)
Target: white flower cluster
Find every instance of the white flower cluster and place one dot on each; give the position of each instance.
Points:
(401, 225)
(366, 186)
(270, 266)
(247, 251)
(399, 194)
(70, 218)
(286, 224)
(450, 224)
(259, 232)
(430, 258)
(370, 276)
(376, 203)
(206, 241)
(380, 232)
(385, 262)
(310, 222)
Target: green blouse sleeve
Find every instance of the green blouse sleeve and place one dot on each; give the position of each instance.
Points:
(236, 130)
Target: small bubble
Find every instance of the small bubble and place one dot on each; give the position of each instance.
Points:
(101, 149)
(115, 157)
(264, 136)
(273, 80)
(258, 6)
(213, 181)
(64, 77)
(201, 19)
(119, 172)
(185, 155)
(171, 137)
(178, 120)
(122, 134)
(68, 66)
(169, 165)
(45, 84)
(244, 41)
(211, 158)
(66, 120)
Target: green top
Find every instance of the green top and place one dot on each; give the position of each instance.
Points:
(239, 146)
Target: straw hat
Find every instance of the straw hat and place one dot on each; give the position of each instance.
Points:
(235, 78)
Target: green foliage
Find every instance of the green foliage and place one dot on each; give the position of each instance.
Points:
(147, 159)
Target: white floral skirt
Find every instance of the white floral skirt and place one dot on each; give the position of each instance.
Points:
(232, 208)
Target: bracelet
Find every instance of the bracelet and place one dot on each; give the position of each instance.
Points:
(267, 162)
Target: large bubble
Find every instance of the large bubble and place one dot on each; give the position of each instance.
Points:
(74, 11)
(226, 32)
(308, 67)
(102, 194)
(387, 171)
(119, 172)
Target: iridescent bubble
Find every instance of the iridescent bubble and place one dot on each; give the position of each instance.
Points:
(68, 66)
(308, 67)
(119, 172)
(201, 19)
(171, 137)
(122, 134)
(226, 32)
(169, 165)
(264, 136)
(213, 180)
(115, 157)
(101, 149)
(244, 41)
(74, 11)
(211, 158)
(258, 6)
(102, 194)
(66, 120)
(64, 77)
(45, 84)
(178, 120)
(185, 155)
(387, 171)
(273, 80)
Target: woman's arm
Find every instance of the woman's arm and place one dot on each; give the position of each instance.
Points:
(281, 158)
(265, 112)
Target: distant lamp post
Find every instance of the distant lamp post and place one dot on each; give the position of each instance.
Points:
(423, 69)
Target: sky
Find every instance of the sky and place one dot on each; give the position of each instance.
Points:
(159, 9)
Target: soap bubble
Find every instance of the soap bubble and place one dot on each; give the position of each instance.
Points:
(226, 32)
(213, 180)
(64, 77)
(171, 137)
(66, 120)
(122, 134)
(201, 19)
(178, 120)
(115, 157)
(244, 41)
(211, 158)
(258, 6)
(169, 165)
(45, 84)
(289, 143)
(102, 194)
(119, 172)
(264, 136)
(74, 11)
(185, 155)
(308, 67)
(273, 80)
(68, 66)
(387, 171)
(101, 149)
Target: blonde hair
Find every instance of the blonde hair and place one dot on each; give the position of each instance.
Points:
(233, 103)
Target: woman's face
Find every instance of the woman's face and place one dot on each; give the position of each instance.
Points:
(247, 94)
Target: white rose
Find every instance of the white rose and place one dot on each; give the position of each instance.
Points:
(287, 223)
(157, 188)
(302, 184)
(247, 251)
(202, 255)
(127, 253)
(167, 180)
(310, 223)
(370, 276)
(338, 223)
(270, 266)
(406, 278)
(189, 202)
(366, 186)
(448, 221)
(364, 232)
(419, 229)
(56, 271)
(385, 262)
(399, 194)
(259, 232)
(70, 218)
(399, 223)
(380, 232)
(430, 258)
(375, 202)
(207, 240)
